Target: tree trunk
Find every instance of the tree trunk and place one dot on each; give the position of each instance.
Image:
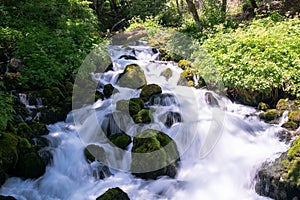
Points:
(193, 10)
(178, 8)
(253, 4)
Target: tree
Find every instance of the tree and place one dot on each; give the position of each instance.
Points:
(193, 10)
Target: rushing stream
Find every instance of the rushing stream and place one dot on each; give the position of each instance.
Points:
(221, 146)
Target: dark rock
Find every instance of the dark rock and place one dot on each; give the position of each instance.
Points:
(167, 73)
(110, 126)
(94, 152)
(24, 130)
(121, 140)
(143, 117)
(7, 198)
(132, 77)
(135, 106)
(290, 125)
(38, 128)
(150, 90)
(164, 99)
(109, 90)
(128, 57)
(99, 95)
(2, 176)
(281, 179)
(114, 194)
(154, 154)
(172, 118)
(211, 100)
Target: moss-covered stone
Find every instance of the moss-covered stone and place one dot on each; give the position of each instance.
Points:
(121, 140)
(154, 154)
(282, 104)
(184, 64)
(270, 115)
(135, 106)
(38, 128)
(281, 179)
(294, 116)
(52, 96)
(24, 130)
(263, 106)
(99, 95)
(114, 194)
(30, 165)
(108, 90)
(122, 105)
(290, 125)
(7, 198)
(150, 90)
(144, 116)
(8, 150)
(132, 77)
(167, 73)
(186, 78)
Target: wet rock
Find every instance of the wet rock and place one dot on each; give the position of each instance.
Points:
(8, 151)
(24, 130)
(167, 73)
(186, 78)
(270, 115)
(294, 116)
(290, 125)
(110, 126)
(7, 198)
(154, 154)
(94, 152)
(282, 104)
(150, 90)
(128, 57)
(172, 118)
(164, 99)
(132, 77)
(38, 128)
(144, 116)
(211, 100)
(263, 106)
(121, 140)
(284, 136)
(99, 95)
(109, 90)
(281, 179)
(113, 194)
(135, 106)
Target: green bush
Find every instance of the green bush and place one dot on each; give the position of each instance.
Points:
(6, 109)
(261, 56)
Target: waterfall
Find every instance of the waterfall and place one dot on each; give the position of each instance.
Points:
(221, 145)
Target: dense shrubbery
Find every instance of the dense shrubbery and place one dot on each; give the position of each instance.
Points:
(50, 37)
(262, 56)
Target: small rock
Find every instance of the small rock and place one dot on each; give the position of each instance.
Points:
(114, 194)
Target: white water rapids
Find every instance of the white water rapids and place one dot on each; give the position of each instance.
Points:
(221, 147)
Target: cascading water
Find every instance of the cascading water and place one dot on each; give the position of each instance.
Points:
(221, 145)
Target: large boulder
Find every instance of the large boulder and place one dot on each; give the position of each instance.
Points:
(113, 194)
(154, 154)
(7, 198)
(281, 179)
(144, 116)
(150, 90)
(132, 77)
(121, 140)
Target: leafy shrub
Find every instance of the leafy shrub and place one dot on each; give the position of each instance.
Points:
(262, 56)
(6, 109)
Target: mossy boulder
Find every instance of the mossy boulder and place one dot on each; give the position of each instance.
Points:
(282, 104)
(150, 90)
(121, 140)
(24, 130)
(99, 95)
(38, 128)
(7, 198)
(8, 150)
(167, 73)
(290, 125)
(144, 116)
(132, 77)
(30, 165)
(135, 106)
(294, 116)
(108, 90)
(154, 154)
(186, 78)
(270, 115)
(263, 106)
(114, 194)
(184, 64)
(281, 179)
(51, 96)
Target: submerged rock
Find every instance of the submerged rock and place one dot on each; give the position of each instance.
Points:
(108, 90)
(154, 154)
(7, 198)
(171, 118)
(149, 90)
(114, 194)
(281, 179)
(144, 116)
(132, 77)
(167, 73)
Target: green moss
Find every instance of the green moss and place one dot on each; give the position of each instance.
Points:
(270, 115)
(167, 73)
(184, 64)
(262, 106)
(186, 78)
(282, 104)
(150, 90)
(109, 90)
(114, 194)
(121, 140)
(122, 105)
(135, 106)
(132, 77)
(290, 125)
(38, 128)
(8, 150)
(162, 160)
(24, 130)
(294, 116)
(143, 116)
